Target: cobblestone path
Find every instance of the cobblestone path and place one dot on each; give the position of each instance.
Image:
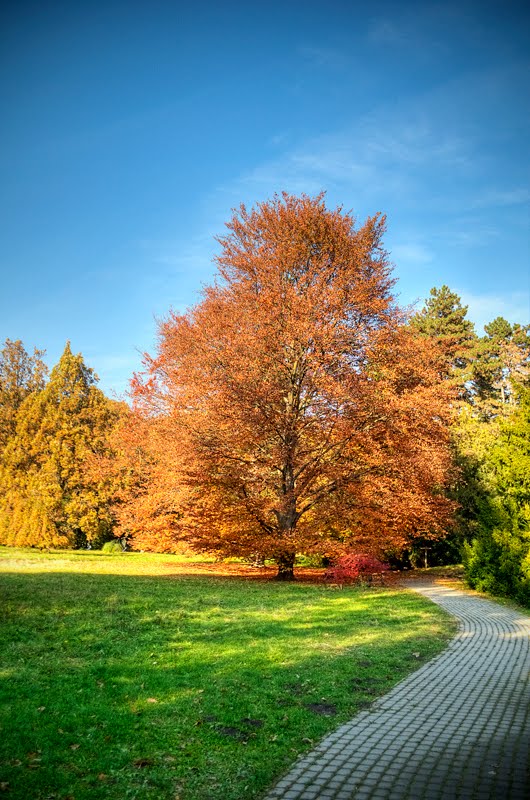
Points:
(459, 727)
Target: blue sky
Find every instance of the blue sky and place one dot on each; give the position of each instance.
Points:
(130, 130)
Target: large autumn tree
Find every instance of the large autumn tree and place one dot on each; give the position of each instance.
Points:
(296, 411)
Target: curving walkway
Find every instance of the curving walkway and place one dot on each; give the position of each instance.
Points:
(459, 727)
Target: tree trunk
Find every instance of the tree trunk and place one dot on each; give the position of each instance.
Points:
(285, 563)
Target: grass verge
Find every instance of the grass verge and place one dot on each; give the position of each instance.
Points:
(122, 680)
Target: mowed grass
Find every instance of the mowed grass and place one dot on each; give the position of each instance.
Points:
(120, 679)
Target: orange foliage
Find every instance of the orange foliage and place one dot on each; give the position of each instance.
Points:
(292, 410)
(145, 494)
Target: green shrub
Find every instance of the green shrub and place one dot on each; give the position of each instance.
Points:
(498, 558)
(113, 547)
(498, 561)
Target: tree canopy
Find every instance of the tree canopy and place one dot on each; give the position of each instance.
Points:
(48, 499)
(498, 558)
(299, 412)
(21, 374)
(501, 363)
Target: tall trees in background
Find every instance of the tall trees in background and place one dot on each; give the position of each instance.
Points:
(485, 369)
(295, 409)
(501, 363)
(49, 497)
(491, 437)
(444, 320)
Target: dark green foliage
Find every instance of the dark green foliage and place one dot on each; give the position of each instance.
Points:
(490, 440)
(500, 362)
(498, 558)
(443, 318)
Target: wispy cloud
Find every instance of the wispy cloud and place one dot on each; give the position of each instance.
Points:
(413, 253)
(387, 31)
(420, 31)
(427, 29)
(178, 256)
(495, 198)
(483, 308)
(466, 232)
(379, 157)
(279, 139)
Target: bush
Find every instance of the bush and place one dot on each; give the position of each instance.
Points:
(498, 562)
(498, 558)
(116, 546)
(358, 567)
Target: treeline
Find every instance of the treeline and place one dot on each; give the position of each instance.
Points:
(73, 472)
(295, 409)
(491, 444)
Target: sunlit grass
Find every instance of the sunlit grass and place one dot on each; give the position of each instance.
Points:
(120, 681)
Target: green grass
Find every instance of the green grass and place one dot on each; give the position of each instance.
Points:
(119, 680)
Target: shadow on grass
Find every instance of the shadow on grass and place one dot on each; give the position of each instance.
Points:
(128, 686)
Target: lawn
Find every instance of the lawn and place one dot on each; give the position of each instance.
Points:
(128, 676)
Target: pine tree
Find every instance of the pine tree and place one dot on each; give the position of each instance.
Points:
(444, 319)
(48, 497)
(502, 360)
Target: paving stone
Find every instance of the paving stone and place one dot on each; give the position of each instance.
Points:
(457, 728)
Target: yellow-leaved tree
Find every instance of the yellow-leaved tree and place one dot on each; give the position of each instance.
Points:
(48, 498)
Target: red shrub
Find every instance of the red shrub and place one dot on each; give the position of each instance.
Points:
(359, 567)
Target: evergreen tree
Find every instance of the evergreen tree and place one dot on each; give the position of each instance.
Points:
(49, 499)
(21, 374)
(502, 359)
(443, 319)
